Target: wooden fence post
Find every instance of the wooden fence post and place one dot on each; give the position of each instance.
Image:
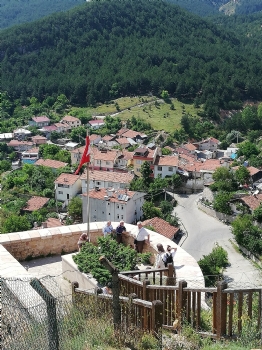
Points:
(145, 294)
(115, 290)
(181, 303)
(157, 316)
(221, 309)
(171, 275)
(74, 285)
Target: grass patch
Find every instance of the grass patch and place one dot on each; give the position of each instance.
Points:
(159, 115)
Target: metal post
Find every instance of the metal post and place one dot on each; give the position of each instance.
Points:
(88, 199)
(50, 301)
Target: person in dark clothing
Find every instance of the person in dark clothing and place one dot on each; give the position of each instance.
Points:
(119, 230)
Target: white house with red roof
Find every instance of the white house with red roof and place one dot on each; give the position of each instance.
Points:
(20, 146)
(94, 139)
(96, 123)
(39, 122)
(39, 140)
(67, 186)
(210, 144)
(103, 159)
(50, 163)
(113, 205)
(104, 179)
(165, 166)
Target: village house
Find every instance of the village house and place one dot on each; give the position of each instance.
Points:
(189, 147)
(20, 146)
(104, 159)
(47, 130)
(252, 202)
(50, 163)
(70, 146)
(94, 139)
(73, 122)
(35, 203)
(30, 156)
(39, 140)
(104, 179)
(123, 142)
(162, 227)
(165, 166)
(113, 205)
(123, 161)
(21, 134)
(62, 127)
(96, 123)
(134, 135)
(255, 174)
(6, 136)
(210, 144)
(39, 122)
(67, 186)
(142, 155)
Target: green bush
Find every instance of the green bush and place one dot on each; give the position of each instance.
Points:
(121, 256)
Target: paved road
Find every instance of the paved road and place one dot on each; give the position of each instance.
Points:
(204, 232)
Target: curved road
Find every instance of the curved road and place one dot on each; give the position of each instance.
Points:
(204, 232)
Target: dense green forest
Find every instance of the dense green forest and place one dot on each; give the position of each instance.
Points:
(103, 50)
(21, 11)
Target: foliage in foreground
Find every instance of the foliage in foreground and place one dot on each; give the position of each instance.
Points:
(212, 264)
(123, 257)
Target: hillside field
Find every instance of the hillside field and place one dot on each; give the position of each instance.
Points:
(151, 109)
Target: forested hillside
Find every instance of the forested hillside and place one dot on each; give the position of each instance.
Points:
(103, 50)
(22, 11)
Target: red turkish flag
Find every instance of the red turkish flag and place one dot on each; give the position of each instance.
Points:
(85, 157)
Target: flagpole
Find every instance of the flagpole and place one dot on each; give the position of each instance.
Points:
(88, 201)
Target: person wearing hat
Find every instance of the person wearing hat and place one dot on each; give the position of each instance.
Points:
(119, 230)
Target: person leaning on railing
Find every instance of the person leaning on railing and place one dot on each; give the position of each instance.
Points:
(141, 237)
(82, 240)
(119, 230)
(108, 229)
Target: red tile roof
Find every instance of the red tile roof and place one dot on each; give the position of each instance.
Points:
(252, 170)
(38, 137)
(109, 176)
(123, 141)
(107, 155)
(93, 137)
(35, 203)
(69, 118)
(32, 150)
(167, 161)
(66, 179)
(131, 133)
(55, 164)
(96, 121)
(100, 195)
(121, 131)
(41, 119)
(162, 227)
(107, 138)
(252, 202)
(53, 222)
(49, 128)
(16, 143)
(189, 147)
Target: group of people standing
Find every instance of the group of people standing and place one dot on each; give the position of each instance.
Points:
(141, 237)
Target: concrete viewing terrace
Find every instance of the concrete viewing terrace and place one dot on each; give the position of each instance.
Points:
(40, 243)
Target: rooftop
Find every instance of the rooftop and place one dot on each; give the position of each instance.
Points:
(109, 176)
(253, 201)
(41, 119)
(55, 164)
(100, 195)
(35, 203)
(69, 118)
(162, 227)
(167, 161)
(66, 179)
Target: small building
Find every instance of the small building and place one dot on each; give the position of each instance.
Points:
(123, 142)
(39, 140)
(30, 156)
(104, 179)
(162, 227)
(142, 155)
(39, 122)
(20, 146)
(21, 134)
(113, 205)
(70, 146)
(47, 130)
(7, 136)
(35, 203)
(67, 186)
(165, 166)
(73, 122)
(94, 139)
(135, 135)
(50, 163)
(96, 123)
(210, 144)
(103, 159)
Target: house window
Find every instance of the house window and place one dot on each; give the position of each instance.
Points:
(67, 196)
(108, 203)
(122, 185)
(107, 163)
(97, 162)
(110, 184)
(108, 213)
(98, 183)
(159, 168)
(170, 168)
(122, 217)
(122, 208)
(60, 192)
(117, 206)
(138, 170)
(117, 216)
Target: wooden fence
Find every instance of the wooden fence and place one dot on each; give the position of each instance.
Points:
(143, 314)
(225, 309)
(215, 312)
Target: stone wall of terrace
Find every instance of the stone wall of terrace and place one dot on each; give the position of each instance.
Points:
(63, 239)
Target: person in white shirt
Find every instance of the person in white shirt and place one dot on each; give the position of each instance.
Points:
(108, 229)
(160, 259)
(141, 237)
